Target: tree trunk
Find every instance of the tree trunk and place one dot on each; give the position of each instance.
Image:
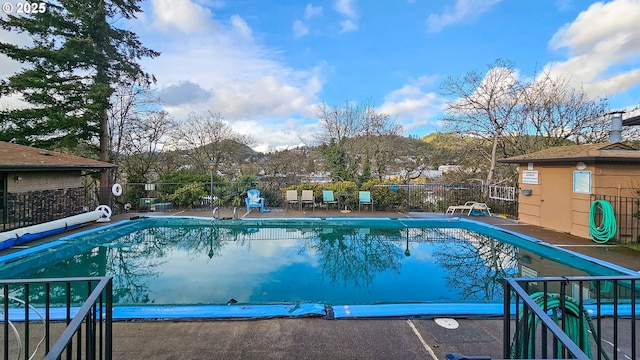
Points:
(492, 168)
(104, 156)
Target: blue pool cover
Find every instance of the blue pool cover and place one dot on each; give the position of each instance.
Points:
(307, 309)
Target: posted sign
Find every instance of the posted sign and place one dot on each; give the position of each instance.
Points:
(530, 177)
(582, 182)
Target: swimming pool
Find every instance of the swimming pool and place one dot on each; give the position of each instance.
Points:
(189, 266)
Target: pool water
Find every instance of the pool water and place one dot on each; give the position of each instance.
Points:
(197, 261)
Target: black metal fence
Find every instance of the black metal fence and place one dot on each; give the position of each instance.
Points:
(42, 206)
(76, 311)
(627, 212)
(438, 197)
(414, 197)
(582, 317)
(37, 207)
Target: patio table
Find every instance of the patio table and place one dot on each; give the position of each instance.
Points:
(343, 201)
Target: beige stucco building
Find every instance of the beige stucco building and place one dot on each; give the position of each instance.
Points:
(557, 184)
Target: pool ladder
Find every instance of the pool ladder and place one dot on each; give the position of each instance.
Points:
(216, 213)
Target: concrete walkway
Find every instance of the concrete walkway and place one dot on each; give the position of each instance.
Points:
(309, 338)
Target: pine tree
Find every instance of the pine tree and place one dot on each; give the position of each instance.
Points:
(336, 163)
(366, 171)
(76, 57)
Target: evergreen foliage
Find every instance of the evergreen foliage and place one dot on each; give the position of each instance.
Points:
(336, 162)
(75, 57)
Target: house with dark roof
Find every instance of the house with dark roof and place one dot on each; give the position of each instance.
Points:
(39, 185)
(559, 184)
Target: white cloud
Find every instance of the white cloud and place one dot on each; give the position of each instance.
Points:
(345, 7)
(602, 44)
(598, 23)
(229, 73)
(8, 66)
(277, 135)
(347, 10)
(563, 5)
(268, 95)
(184, 15)
(348, 25)
(300, 29)
(412, 106)
(13, 101)
(463, 10)
(241, 28)
(311, 11)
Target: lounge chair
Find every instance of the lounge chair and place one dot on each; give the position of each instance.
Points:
(466, 207)
(481, 209)
(328, 198)
(292, 198)
(470, 207)
(364, 198)
(253, 199)
(307, 198)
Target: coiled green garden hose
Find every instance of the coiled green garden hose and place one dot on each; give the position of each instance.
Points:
(607, 228)
(578, 324)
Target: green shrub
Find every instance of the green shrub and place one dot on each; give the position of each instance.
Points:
(189, 195)
(187, 177)
(384, 197)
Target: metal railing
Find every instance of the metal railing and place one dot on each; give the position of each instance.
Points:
(627, 213)
(438, 197)
(581, 317)
(76, 311)
(39, 207)
(36, 207)
(421, 197)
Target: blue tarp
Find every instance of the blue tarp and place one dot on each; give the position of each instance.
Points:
(407, 310)
(302, 310)
(218, 311)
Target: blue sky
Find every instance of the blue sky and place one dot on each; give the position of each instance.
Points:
(264, 65)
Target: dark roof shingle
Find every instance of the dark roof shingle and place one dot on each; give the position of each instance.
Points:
(610, 152)
(20, 157)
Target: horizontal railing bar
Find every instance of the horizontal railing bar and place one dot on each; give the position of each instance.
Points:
(49, 280)
(578, 278)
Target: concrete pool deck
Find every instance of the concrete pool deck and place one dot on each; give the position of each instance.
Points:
(320, 338)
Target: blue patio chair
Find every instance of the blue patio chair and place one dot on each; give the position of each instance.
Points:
(328, 198)
(253, 199)
(364, 198)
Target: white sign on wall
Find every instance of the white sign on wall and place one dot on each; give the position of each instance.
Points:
(582, 182)
(530, 176)
(526, 272)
